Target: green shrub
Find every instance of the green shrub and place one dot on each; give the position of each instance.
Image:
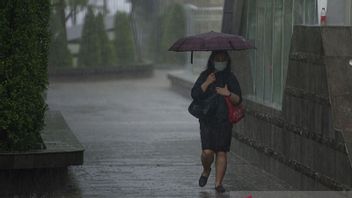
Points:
(123, 43)
(173, 27)
(24, 41)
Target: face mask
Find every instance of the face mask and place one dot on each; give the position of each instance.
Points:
(220, 66)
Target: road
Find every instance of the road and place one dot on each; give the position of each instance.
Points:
(140, 141)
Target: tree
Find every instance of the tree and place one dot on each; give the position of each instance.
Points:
(105, 45)
(123, 42)
(24, 40)
(59, 55)
(89, 54)
(74, 7)
(144, 23)
(173, 28)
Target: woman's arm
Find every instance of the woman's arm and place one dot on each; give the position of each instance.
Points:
(235, 89)
(232, 90)
(235, 99)
(201, 86)
(205, 86)
(225, 91)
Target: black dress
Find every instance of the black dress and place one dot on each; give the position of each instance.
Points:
(216, 130)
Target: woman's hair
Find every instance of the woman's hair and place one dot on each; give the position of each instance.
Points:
(210, 64)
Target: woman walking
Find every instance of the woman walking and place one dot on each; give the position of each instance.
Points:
(216, 129)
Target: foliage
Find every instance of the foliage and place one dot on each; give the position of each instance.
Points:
(173, 27)
(24, 41)
(123, 43)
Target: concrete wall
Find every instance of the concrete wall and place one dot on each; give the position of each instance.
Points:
(305, 143)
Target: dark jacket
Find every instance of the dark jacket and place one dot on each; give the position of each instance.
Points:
(222, 78)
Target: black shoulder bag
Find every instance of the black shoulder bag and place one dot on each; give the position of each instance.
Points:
(203, 108)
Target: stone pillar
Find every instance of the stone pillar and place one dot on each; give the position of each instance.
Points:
(308, 142)
(337, 45)
(318, 99)
(231, 20)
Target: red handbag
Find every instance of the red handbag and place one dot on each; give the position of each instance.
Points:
(235, 113)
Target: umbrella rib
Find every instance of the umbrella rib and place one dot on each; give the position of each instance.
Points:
(231, 45)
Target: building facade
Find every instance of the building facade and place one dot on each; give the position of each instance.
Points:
(296, 89)
(269, 24)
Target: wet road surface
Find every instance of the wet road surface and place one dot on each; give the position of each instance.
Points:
(139, 141)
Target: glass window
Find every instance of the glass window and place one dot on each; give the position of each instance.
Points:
(270, 24)
(278, 23)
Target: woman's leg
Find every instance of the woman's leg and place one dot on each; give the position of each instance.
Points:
(207, 158)
(221, 164)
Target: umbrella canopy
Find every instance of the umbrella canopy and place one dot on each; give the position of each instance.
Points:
(211, 41)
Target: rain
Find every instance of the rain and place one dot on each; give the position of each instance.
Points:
(113, 117)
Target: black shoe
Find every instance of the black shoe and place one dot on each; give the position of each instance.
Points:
(220, 189)
(203, 180)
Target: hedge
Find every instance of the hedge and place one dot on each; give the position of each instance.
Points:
(24, 39)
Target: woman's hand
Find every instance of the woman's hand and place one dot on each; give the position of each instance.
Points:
(210, 79)
(235, 99)
(223, 91)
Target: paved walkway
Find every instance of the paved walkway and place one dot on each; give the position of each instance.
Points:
(140, 141)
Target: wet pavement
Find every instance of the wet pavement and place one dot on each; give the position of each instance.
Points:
(139, 141)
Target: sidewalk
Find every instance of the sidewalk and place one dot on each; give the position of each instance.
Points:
(140, 141)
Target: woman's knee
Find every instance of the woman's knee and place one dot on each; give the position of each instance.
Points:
(208, 153)
(221, 154)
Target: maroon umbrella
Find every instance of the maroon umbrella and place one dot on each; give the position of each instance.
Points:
(211, 41)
